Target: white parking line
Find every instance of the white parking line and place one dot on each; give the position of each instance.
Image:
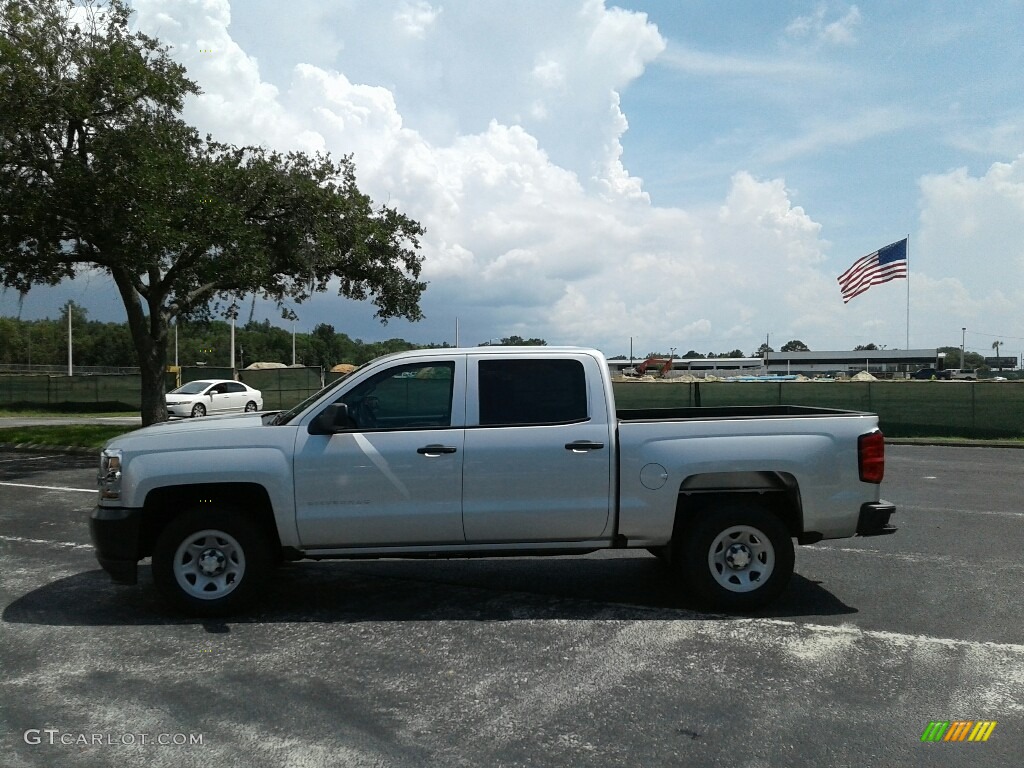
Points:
(66, 544)
(50, 487)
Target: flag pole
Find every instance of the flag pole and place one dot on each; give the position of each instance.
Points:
(908, 291)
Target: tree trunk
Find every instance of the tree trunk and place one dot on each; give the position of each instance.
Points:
(149, 337)
(152, 365)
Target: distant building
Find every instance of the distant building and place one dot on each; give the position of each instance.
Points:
(887, 362)
(883, 363)
(700, 366)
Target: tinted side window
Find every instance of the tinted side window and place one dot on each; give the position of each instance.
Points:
(520, 392)
(414, 396)
(234, 387)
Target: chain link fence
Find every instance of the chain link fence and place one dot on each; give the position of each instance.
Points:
(281, 388)
(904, 408)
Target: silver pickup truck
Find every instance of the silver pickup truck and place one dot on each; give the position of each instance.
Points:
(490, 451)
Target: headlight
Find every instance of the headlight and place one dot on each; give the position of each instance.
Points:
(109, 479)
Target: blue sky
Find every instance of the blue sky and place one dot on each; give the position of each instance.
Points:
(688, 174)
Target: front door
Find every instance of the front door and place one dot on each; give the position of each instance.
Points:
(395, 478)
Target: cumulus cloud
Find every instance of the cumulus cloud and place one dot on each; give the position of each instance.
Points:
(501, 132)
(969, 221)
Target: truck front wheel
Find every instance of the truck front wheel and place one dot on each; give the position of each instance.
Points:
(736, 558)
(210, 562)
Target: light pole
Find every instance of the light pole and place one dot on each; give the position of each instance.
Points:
(70, 349)
(963, 339)
(233, 313)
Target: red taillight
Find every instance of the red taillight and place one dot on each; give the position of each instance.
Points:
(871, 457)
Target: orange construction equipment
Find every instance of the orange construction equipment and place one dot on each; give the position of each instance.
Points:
(665, 363)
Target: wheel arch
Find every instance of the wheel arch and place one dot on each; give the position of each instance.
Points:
(778, 492)
(165, 504)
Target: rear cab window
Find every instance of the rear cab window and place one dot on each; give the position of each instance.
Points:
(524, 392)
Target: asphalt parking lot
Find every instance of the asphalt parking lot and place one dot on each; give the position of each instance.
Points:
(558, 661)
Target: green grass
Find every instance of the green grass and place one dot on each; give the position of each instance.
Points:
(75, 435)
(1013, 442)
(29, 412)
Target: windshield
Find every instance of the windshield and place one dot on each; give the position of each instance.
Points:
(192, 388)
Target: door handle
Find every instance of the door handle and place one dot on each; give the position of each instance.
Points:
(582, 446)
(435, 450)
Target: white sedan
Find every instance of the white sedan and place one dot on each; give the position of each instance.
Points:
(199, 398)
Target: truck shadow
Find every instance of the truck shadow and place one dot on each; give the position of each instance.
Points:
(632, 587)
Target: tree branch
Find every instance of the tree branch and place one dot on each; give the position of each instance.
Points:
(181, 264)
(193, 296)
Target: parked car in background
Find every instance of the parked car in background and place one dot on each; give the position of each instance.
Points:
(213, 396)
(964, 374)
(931, 373)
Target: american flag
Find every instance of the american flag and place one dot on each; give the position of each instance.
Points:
(883, 265)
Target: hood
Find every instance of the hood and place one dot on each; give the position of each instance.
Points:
(183, 430)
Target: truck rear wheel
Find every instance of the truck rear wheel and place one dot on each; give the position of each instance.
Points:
(210, 562)
(736, 557)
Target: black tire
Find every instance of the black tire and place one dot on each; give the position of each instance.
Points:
(736, 557)
(198, 410)
(250, 407)
(211, 562)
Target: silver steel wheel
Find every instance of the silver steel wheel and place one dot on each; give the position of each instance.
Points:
(198, 410)
(250, 407)
(741, 558)
(209, 564)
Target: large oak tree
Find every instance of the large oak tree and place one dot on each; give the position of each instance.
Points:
(99, 173)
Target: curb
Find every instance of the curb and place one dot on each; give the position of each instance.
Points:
(42, 447)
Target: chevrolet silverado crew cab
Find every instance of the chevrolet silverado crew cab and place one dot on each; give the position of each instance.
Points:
(491, 451)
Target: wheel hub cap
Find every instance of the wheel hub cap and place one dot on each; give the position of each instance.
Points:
(738, 556)
(212, 562)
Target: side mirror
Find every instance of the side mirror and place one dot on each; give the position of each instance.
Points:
(333, 418)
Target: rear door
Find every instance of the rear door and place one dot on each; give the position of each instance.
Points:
(537, 463)
(237, 396)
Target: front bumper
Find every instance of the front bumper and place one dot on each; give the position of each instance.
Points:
(874, 518)
(115, 533)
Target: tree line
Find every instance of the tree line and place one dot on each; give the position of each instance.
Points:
(45, 342)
